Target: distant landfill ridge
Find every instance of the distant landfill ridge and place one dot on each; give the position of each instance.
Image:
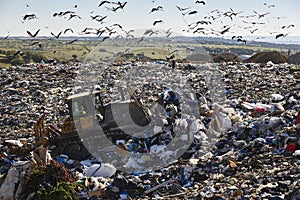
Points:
(266, 41)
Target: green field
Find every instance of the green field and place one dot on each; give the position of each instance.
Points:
(113, 49)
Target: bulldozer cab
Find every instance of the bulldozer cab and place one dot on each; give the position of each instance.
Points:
(87, 109)
(83, 108)
(84, 104)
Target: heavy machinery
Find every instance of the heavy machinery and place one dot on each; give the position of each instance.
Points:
(87, 112)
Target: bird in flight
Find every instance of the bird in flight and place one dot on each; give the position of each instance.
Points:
(103, 2)
(252, 31)
(150, 32)
(158, 8)
(197, 23)
(168, 32)
(182, 9)
(72, 41)
(199, 30)
(233, 37)
(120, 6)
(241, 40)
(105, 38)
(74, 15)
(99, 32)
(68, 29)
(33, 35)
(281, 35)
(118, 25)
(289, 26)
(37, 43)
(192, 12)
(200, 2)
(140, 40)
(61, 13)
(225, 30)
(128, 32)
(86, 29)
(168, 35)
(98, 18)
(17, 53)
(56, 36)
(231, 13)
(157, 21)
(29, 17)
(110, 30)
(269, 6)
(235, 13)
(261, 15)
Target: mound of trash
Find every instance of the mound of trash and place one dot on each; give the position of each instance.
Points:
(264, 57)
(255, 156)
(225, 57)
(294, 59)
(199, 57)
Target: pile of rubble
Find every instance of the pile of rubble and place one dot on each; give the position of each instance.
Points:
(294, 59)
(264, 57)
(225, 57)
(244, 118)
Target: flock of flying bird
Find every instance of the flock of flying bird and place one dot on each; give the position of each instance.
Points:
(251, 22)
(199, 26)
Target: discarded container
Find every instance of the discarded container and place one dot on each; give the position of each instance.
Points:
(260, 109)
(124, 195)
(291, 147)
(105, 170)
(14, 142)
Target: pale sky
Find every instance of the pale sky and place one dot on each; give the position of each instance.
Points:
(136, 16)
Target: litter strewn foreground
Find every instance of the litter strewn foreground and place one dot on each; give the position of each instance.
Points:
(255, 116)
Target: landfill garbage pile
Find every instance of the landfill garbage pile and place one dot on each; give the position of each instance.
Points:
(294, 59)
(263, 57)
(226, 57)
(256, 119)
(29, 91)
(199, 57)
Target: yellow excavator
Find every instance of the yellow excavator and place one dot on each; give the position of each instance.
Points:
(87, 111)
